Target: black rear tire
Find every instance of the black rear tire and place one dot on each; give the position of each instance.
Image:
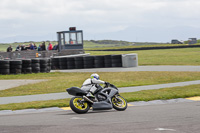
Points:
(78, 107)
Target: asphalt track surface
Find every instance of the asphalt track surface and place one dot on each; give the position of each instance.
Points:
(166, 118)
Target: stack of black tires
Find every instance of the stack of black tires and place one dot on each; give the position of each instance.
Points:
(107, 61)
(49, 65)
(26, 66)
(79, 62)
(44, 63)
(4, 67)
(63, 63)
(35, 64)
(71, 63)
(99, 62)
(55, 64)
(88, 61)
(15, 66)
(116, 60)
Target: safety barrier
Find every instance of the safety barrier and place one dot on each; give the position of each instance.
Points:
(44, 65)
(87, 62)
(25, 66)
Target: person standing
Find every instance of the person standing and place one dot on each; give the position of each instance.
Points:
(32, 47)
(35, 47)
(50, 47)
(43, 46)
(18, 48)
(9, 49)
(23, 47)
(40, 47)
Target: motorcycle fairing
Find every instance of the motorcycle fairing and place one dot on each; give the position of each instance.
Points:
(107, 104)
(103, 105)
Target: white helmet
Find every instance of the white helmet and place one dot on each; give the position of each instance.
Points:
(95, 75)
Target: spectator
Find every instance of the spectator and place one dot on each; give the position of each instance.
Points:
(35, 47)
(9, 49)
(28, 47)
(23, 47)
(43, 46)
(55, 47)
(18, 48)
(50, 47)
(40, 47)
(32, 47)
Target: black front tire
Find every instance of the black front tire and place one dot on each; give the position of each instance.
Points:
(119, 103)
(79, 107)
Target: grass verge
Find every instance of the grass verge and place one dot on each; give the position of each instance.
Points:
(58, 82)
(184, 56)
(146, 95)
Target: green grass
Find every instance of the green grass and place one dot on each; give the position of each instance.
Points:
(146, 95)
(184, 56)
(58, 82)
(163, 94)
(36, 104)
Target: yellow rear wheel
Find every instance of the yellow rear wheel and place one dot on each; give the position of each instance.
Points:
(78, 105)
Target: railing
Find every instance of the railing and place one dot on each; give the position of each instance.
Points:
(38, 54)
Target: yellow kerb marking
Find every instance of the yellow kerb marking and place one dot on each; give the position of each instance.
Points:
(194, 98)
(130, 105)
(66, 108)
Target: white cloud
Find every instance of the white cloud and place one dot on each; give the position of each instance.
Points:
(94, 16)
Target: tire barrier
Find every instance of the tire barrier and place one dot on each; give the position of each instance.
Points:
(35, 65)
(49, 65)
(99, 62)
(4, 67)
(79, 62)
(63, 63)
(150, 48)
(107, 61)
(26, 66)
(88, 61)
(45, 65)
(116, 60)
(55, 63)
(15, 67)
(71, 63)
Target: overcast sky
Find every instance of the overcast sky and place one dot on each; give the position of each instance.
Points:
(130, 20)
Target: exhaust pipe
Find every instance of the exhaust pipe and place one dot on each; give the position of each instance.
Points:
(87, 99)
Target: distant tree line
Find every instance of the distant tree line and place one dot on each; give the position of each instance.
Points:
(110, 42)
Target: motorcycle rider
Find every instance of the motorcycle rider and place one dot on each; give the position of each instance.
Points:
(91, 84)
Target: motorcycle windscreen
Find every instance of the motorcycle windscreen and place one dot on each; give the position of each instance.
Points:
(75, 91)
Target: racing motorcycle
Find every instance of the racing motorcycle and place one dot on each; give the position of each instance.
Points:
(106, 97)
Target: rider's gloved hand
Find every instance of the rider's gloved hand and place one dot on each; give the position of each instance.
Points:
(107, 83)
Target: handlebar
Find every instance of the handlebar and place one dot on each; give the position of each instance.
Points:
(111, 85)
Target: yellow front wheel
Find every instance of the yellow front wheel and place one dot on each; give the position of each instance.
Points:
(119, 103)
(78, 105)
